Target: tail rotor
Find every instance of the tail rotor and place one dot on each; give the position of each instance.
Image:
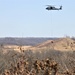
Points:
(60, 7)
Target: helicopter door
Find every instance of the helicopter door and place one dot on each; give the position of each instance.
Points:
(51, 7)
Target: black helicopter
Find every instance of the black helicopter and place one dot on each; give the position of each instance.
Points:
(50, 7)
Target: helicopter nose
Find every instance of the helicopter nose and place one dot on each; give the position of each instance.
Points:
(47, 8)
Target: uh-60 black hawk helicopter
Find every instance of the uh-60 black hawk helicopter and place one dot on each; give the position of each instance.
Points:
(50, 7)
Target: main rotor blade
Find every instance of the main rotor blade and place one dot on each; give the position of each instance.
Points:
(50, 5)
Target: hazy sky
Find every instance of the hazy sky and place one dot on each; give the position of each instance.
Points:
(29, 18)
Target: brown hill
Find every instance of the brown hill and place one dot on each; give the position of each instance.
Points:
(62, 54)
(59, 44)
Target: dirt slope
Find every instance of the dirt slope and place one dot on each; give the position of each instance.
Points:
(59, 44)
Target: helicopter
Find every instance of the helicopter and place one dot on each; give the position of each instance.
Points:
(50, 7)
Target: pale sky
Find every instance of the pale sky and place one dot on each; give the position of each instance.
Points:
(29, 18)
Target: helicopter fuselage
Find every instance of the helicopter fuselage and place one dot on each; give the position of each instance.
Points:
(53, 8)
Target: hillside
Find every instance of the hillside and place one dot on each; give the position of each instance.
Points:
(58, 44)
(62, 44)
(61, 50)
(23, 41)
(65, 59)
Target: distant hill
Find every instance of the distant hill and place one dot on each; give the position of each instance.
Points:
(40, 43)
(59, 44)
(23, 41)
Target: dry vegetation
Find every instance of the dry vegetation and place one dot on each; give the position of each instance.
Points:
(38, 62)
(45, 63)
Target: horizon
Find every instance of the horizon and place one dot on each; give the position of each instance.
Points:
(39, 37)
